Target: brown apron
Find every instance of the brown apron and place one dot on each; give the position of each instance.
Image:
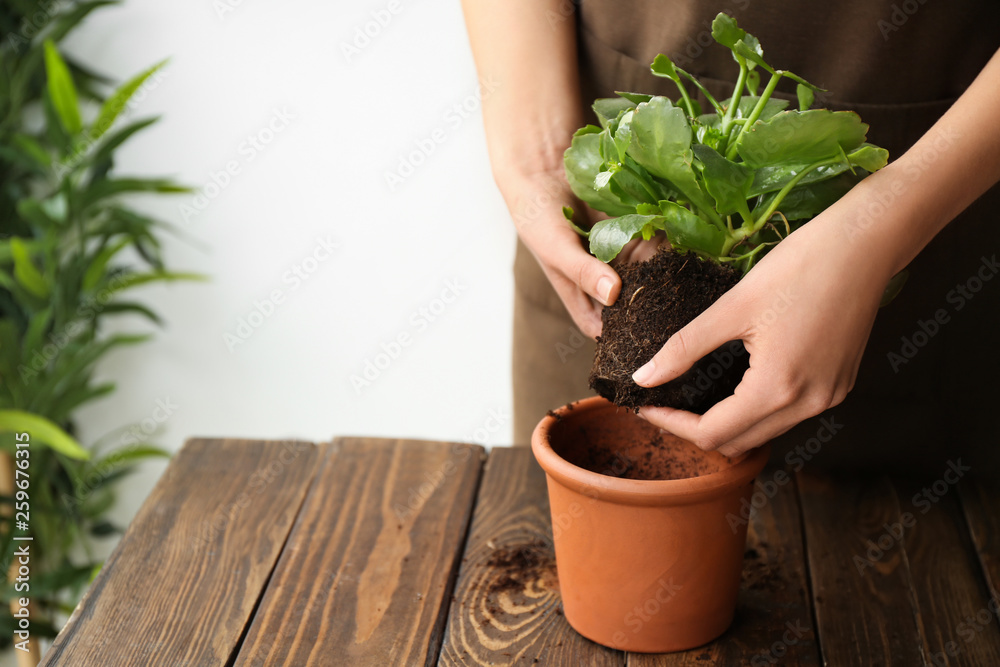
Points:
(900, 65)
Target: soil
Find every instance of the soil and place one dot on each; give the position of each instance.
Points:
(658, 298)
(517, 566)
(759, 573)
(617, 443)
(656, 457)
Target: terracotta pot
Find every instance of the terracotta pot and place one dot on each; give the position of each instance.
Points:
(648, 565)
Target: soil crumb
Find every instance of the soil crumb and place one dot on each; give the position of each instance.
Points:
(517, 566)
(658, 298)
(759, 573)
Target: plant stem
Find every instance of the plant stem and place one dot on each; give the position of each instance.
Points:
(708, 96)
(734, 101)
(755, 114)
(769, 211)
(687, 100)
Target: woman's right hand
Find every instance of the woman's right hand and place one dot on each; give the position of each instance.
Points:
(584, 283)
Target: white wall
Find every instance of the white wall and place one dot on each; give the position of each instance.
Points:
(322, 175)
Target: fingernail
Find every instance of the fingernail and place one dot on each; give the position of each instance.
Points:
(644, 373)
(604, 290)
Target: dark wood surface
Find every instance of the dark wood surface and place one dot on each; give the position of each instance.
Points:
(369, 551)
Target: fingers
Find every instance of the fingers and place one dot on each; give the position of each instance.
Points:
(727, 420)
(586, 314)
(744, 420)
(575, 274)
(700, 337)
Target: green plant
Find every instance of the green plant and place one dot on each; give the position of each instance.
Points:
(726, 184)
(65, 235)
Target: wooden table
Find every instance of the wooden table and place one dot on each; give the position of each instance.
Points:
(384, 552)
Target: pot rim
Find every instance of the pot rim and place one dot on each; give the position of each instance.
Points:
(638, 491)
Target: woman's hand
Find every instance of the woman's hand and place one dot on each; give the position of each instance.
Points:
(804, 314)
(584, 283)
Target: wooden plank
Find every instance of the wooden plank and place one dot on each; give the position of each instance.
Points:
(506, 607)
(981, 505)
(947, 580)
(183, 581)
(863, 603)
(370, 564)
(773, 623)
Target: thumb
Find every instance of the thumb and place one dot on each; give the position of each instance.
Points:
(593, 276)
(701, 336)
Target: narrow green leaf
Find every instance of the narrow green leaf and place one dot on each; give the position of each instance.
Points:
(99, 264)
(30, 146)
(41, 430)
(116, 103)
(25, 272)
(61, 89)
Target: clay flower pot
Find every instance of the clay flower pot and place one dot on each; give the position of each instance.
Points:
(648, 565)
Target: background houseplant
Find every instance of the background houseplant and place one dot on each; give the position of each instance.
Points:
(65, 234)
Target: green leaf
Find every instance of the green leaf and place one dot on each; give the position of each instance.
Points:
(869, 157)
(750, 50)
(661, 144)
(623, 134)
(753, 82)
(69, 20)
(775, 177)
(771, 108)
(38, 325)
(609, 108)
(99, 264)
(114, 140)
(608, 237)
(61, 90)
(583, 161)
(728, 182)
(801, 136)
(664, 66)
(132, 307)
(685, 230)
(110, 187)
(808, 201)
(635, 98)
(805, 95)
(127, 456)
(725, 30)
(41, 430)
(136, 279)
(25, 272)
(114, 104)
(568, 214)
(30, 147)
(629, 188)
(894, 287)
